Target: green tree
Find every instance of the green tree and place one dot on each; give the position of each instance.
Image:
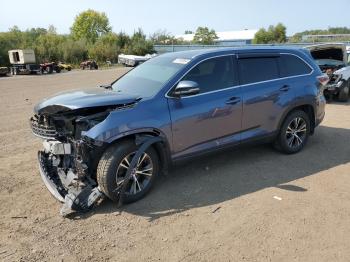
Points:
(262, 37)
(74, 51)
(90, 25)
(279, 33)
(162, 37)
(139, 44)
(106, 48)
(274, 34)
(47, 47)
(123, 41)
(332, 30)
(205, 36)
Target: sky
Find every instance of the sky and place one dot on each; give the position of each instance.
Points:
(176, 16)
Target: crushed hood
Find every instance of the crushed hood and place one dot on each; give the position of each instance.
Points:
(79, 99)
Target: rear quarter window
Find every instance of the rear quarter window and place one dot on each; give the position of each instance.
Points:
(292, 65)
(258, 69)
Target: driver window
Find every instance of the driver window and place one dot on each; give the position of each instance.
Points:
(213, 74)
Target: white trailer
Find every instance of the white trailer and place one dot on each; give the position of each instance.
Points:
(23, 62)
(133, 60)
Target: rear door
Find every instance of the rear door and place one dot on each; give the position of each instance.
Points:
(211, 118)
(265, 94)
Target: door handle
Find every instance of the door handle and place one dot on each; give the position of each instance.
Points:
(285, 88)
(233, 100)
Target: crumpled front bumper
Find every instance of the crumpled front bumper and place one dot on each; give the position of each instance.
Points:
(49, 179)
(334, 88)
(74, 199)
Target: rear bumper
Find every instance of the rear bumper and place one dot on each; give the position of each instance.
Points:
(320, 119)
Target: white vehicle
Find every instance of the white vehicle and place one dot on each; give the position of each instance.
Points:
(133, 60)
(333, 61)
(19, 56)
(23, 62)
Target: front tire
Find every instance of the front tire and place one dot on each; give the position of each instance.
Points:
(294, 133)
(49, 69)
(343, 95)
(113, 165)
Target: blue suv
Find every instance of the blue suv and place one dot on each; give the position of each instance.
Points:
(115, 140)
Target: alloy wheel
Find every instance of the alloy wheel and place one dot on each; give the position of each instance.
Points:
(296, 132)
(140, 175)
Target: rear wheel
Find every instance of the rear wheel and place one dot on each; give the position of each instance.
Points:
(294, 133)
(114, 164)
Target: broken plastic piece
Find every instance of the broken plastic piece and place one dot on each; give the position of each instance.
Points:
(82, 202)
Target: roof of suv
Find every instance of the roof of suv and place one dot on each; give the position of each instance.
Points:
(194, 53)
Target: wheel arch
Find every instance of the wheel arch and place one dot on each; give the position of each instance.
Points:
(162, 147)
(307, 108)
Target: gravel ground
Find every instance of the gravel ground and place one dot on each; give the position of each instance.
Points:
(248, 204)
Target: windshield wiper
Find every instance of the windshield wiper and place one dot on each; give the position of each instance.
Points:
(106, 86)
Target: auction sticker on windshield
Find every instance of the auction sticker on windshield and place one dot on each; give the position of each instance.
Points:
(181, 61)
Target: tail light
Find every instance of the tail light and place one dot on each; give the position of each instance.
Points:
(323, 79)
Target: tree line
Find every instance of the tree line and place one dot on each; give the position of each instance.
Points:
(277, 34)
(91, 37)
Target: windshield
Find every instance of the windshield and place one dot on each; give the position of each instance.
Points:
(148, 78)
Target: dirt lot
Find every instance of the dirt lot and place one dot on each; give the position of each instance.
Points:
(251, 204)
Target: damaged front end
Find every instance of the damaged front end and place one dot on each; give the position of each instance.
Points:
(337, 80)
(332, 59)
(69, 159)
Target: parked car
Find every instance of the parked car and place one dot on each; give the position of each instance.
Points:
(333, 60)
(64, 66)
(89, 64)
(116, 140)
(3, 71)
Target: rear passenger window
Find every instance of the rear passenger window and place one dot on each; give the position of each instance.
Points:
(293, 66)
(258, 69)
(213, 74)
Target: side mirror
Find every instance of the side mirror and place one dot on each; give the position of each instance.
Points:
(186, 88)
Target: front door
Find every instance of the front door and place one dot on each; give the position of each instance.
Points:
(211, 118)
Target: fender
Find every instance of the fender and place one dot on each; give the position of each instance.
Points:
(293, 107)
(164, 151)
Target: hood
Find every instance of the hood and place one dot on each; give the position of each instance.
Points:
(78, 99)
(328, 51)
